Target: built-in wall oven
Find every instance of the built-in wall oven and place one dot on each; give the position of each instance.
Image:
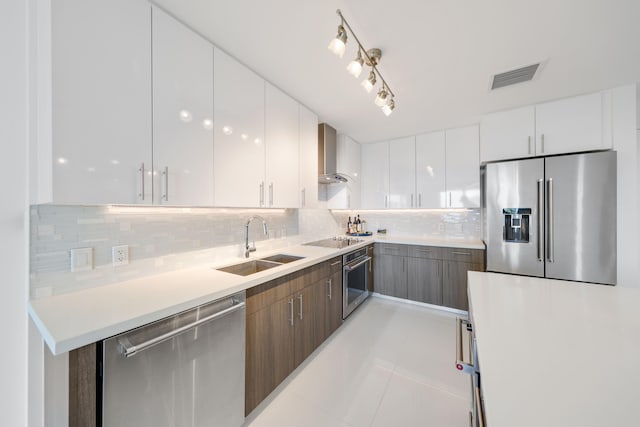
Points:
(356, 268)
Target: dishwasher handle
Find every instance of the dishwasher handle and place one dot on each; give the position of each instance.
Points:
(127, 349)
(461, 365)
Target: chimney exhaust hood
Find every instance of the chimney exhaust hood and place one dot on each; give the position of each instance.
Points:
(328, 156)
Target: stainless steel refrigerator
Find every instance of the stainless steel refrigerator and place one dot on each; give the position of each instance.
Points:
(552, 217)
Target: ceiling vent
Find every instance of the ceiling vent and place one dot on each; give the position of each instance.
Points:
(513, 77)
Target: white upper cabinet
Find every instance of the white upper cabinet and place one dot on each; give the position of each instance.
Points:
(430, 170)
(463, 167)
(375, 176)
(508, 134)
(573, 124)
(308, 181)
(402, 173)
(182, 114)
(101, 86)
(346, 195)
(238, 134)
(282, 154)
(582, 123)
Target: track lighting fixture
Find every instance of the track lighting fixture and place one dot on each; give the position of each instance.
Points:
(385, 97)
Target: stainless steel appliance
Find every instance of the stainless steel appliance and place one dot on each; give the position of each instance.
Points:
(356, 267)
(186, 370)
(467, 362)
(328, 155)
(337, 242)
(553, 217)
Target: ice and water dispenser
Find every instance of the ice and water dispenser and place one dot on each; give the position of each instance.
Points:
(516, 225)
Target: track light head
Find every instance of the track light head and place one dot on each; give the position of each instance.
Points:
(369, 82)
(381, 99)
(338, 44)
(355, 67)
(388, 108)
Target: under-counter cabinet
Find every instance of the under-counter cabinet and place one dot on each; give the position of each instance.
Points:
(287, 319)
(391, 270)
(182, 114)
(429, 274)
(101, 82)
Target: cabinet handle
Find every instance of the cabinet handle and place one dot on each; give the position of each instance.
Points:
(165, 196)
(336, 263)
(300, 298)
(529, 141)
(291, 311)
(329, 286)
(262, 194)
(419, 200)
(304, 202)
(271, 194)
(370, 254)
(411, 199)
(461, 253)
(386, 201)
(542, 143)
(449, 198)
(141, 170)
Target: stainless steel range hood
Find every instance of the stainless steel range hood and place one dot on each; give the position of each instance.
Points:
(328, 155)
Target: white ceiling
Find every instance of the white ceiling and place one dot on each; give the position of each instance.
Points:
(438, 55)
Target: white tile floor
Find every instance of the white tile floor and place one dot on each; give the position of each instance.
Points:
(389, 364)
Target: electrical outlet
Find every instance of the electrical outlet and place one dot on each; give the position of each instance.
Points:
(120, 255)
(81, 259)
(441, 226)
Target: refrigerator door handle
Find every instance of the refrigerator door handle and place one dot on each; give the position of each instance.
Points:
(540, 220)
(550, 220)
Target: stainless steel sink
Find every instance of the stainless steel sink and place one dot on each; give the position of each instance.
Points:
(249, 267)
(282, 258)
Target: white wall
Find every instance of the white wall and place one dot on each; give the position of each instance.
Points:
(625, 143)
(14, 151)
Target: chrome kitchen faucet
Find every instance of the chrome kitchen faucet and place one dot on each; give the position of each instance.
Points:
(248, 249)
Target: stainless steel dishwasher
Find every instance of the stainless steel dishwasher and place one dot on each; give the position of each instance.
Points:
(185, 370)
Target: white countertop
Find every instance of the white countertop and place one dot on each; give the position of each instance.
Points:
(72, 320)
(556, 353)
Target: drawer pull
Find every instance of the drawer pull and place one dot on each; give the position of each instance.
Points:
(461, 253)
(336, 263)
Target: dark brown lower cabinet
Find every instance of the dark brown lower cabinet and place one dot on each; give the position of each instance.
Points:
(283, 331)
(434, 275)
(82, 386)
(424, 280)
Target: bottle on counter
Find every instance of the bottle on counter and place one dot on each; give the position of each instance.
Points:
(358, 225)
(349, 226)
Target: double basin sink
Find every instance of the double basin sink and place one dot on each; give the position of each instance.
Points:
(255, 266)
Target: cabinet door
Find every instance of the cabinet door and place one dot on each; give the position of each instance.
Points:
(424, 280)
(101, 107)
(391, 275)
(182, 114)
(333, 294)
(281, 161)
(308, 158)
(269, 350)
(308, 328)
(375, 176)
(238, 134)
(402, 173)
(430, 170)
(463, 167)
(572, 125)
(508, 134)
(454, 283)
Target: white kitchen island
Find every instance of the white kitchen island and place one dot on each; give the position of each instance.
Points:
(556, 353)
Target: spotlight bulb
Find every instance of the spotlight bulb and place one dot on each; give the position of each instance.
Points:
(381, 99)
(355, 67)
(387, 109)
(369, 82)
(338, 44)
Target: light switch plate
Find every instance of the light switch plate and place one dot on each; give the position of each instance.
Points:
(81, 259)
(120, 255)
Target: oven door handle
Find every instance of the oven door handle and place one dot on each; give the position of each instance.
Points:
(461, 365)
(350, 267)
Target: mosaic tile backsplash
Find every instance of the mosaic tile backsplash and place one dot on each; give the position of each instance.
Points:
(160, 239)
